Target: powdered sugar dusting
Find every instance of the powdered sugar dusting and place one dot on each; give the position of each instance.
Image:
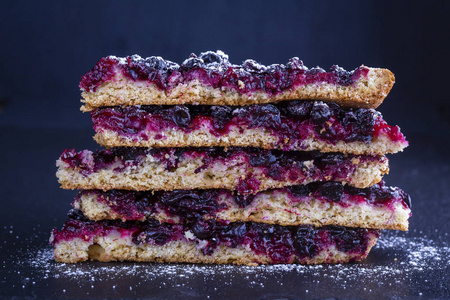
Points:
(398, 263)
(409, 255)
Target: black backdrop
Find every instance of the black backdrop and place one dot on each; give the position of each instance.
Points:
(46, 46)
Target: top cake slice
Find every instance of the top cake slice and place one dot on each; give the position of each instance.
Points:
(210, 79)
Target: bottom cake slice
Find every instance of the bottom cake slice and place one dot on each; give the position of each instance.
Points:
(208, 241)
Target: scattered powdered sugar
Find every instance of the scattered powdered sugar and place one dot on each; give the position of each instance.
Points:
(398, 263)
(397, 253)
(420, 251)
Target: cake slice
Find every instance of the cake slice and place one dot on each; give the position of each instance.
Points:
(212, 80)
(247, 170)
(317, 204)
(292, 125)
(209, 241)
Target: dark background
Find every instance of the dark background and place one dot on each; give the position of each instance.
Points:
(46, 46)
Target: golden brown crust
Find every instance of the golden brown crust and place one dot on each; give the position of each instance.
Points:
(273, 207)
(366, 92)
(384, 82)
(115, 247)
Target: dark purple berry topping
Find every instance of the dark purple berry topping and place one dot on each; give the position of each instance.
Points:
(214, 69)
(320, 112)
(243, 200)
(295, 166)
(196, 204)
(103, 71)
(379, 193)
(292, 122)
(181, 116)
(190, 204)
(280, 243)
(304, 241)
(331, 190)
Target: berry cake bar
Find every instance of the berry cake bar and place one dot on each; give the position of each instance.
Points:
(317, 204)
(212, 80)
(208, 241)
(294, 125)
(212, 162)
(247, 170)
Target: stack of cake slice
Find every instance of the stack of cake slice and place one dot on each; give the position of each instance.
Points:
(211, 162)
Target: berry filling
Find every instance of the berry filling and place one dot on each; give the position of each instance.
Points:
(215, 70)
(194, 204)
(292, 122)
(278, 165)
(280, 243)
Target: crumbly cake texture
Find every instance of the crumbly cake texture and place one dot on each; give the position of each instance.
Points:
(114, 247)
(128, 81)
(272, 207)
(209, 242)
(290, 126)
(244, 137)
(367, 92)
(242, 169)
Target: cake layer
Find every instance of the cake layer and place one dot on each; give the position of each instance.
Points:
(211, 79)
(208, 242)
(315, 204)
(247, 170)
(292, 125)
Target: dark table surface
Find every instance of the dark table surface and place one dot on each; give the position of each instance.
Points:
(412, 264)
